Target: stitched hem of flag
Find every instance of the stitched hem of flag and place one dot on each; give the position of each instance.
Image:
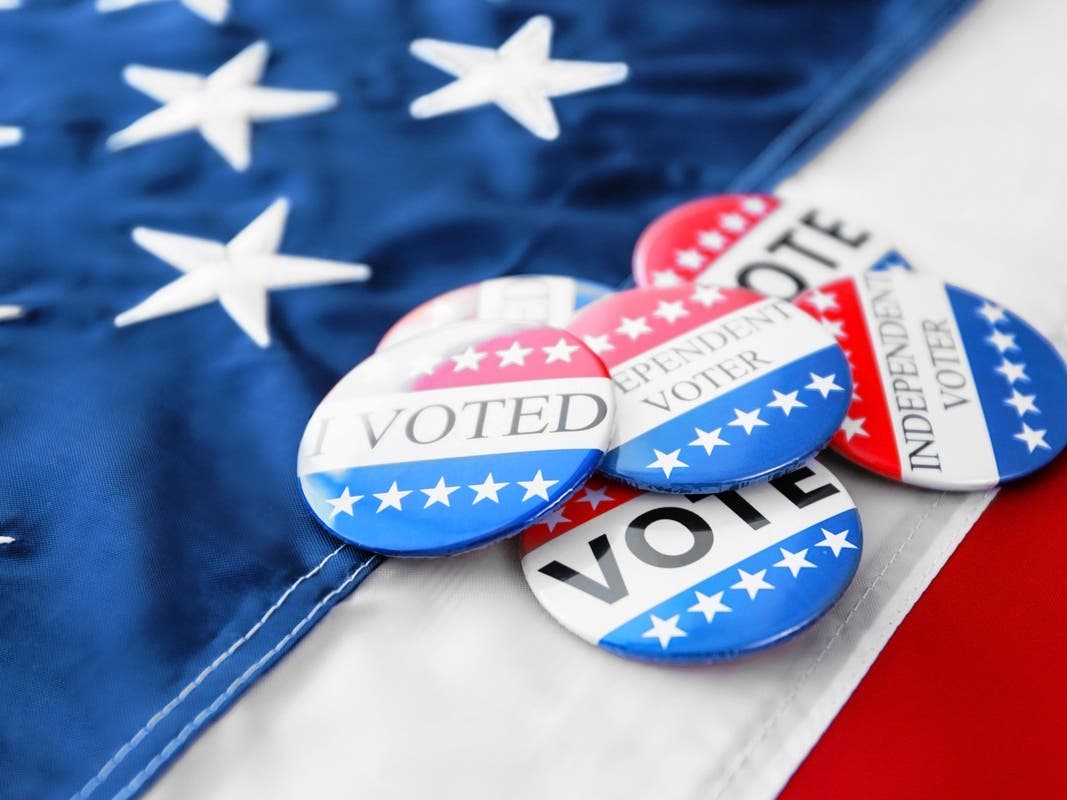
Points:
(290, 616)
(820, 124)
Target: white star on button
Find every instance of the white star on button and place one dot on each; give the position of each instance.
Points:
(238, 274)
(214, 11)
(992, 313)
(516, 354)
(391, 498)
(670, 311)
(486, 490)
(748, 420)
(707, 296)
(1002, 341)
(560, 351)
(836, 541)
(823, 384)
(518, 77)
(1012, 371)
(753, 583)
(833, 327)
(222, 105)
(438, 493)
(665, 278)
(822, 301)
(468, 359)
(753, 205)
(633, 327)
(709, 606)
(1033, 439)
(344, 503)
(711, 240)
(853, 427)
(537, 486)
(689, 259)
(668, 462)
(594, 497)
(424, 365)
(709, 440)
(598, 344)
(10, 312)
(733, 222)
(10, 135)
(794, 562)
(1022, 403)
(554, 518)
(786, 402)
(664, 630)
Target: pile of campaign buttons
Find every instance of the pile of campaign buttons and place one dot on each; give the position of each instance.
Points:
(656, 446)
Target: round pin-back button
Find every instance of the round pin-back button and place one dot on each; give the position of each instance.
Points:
(715, 387)
(693, 578)
(951, 391)
(530, 299)
(447, 442)
(770, 244)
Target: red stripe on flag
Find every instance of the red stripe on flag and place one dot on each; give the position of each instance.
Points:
(968, 698)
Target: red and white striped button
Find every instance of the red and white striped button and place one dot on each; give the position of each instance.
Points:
(773, 245)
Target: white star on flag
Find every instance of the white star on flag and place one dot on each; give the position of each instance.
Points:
(853, 427)
(10, 135)
(6, 539)
(560, 351)
(516, 354)
(1022, 403)
(214, 11)
(794, 562)
(786, 402)
(748, 420)
(598, 344)
(238, 274)
(519, 77)
(733, 222)
(709, 440)
(823, 384)
(688, 259)
(344, 503)
(711, 240)
(836, 541)
(709, 606)
(222, 105)
(707, 296)
(1002, 341)
(487, 490)
(670, 311)
(468, 359)
(753, 583)
(1032, 438)
(665, 278)
(594, 497)
(822, 301)
(1012, 372)
(992, 313)
(391, 498)
(664, 630)
(537, 486)
(633, 327)
(439, 493)
(668, 462)
(10, 312)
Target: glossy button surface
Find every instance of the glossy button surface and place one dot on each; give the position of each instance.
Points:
(700, 577)
(952, 391)
(716, 387)
(446, 442)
